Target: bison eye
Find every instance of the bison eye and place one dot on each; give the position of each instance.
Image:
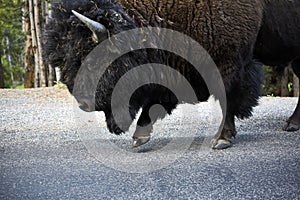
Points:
(117, 17)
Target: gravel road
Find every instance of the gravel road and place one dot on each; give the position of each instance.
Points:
(50, 150)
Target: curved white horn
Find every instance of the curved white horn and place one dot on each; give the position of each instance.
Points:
(95, 27)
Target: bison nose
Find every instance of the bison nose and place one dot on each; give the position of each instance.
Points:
(86, 106)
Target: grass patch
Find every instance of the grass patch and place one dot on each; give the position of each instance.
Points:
(60, 85)
(19, 87)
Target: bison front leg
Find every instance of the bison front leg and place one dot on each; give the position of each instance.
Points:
(141, 135)
(143, 129)
(293, 123)
(150, 114)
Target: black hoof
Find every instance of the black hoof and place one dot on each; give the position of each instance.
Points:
(221, 144)
(290, 126)
(139, 141)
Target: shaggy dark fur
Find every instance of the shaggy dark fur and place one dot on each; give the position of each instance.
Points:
(223, 28)
(213, 23)
(226, 29)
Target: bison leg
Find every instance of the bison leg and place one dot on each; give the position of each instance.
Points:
(143, 130)
(225, 137)
(293, 123)
(150, 114)
(242, 96)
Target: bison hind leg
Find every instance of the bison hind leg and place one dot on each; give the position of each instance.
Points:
(241, 98)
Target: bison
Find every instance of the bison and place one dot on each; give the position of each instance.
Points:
(239, 35)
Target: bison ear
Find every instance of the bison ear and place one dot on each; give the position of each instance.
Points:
(99, 31)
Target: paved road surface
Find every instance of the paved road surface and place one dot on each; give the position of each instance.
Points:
(47, 153)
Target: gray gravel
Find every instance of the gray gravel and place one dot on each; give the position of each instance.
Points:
(44, 155)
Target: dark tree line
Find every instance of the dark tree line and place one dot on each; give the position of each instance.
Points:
(21, 25)
(280, 82)
(11, 42)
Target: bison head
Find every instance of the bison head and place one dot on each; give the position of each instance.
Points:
(69, 39)
(73, 31)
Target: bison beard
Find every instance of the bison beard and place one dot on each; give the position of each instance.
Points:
(226, 29)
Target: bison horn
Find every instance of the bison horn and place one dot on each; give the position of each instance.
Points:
(99, 31)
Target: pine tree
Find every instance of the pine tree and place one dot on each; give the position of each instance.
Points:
(11, 42)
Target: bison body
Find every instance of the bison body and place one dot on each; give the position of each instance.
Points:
(233, 32)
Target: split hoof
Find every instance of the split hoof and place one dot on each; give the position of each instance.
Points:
(290, 126)
(139, 141)
(221, 144)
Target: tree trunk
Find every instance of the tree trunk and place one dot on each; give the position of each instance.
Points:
(40, 70)
(29, 57)
(1, 74)
(7, 52)
(37, 20)
(296, 86)
(12, 80)
(8, 60)
(51, 77)
(284, 83)
(57, 74)
(34, 44)
(46, 12)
